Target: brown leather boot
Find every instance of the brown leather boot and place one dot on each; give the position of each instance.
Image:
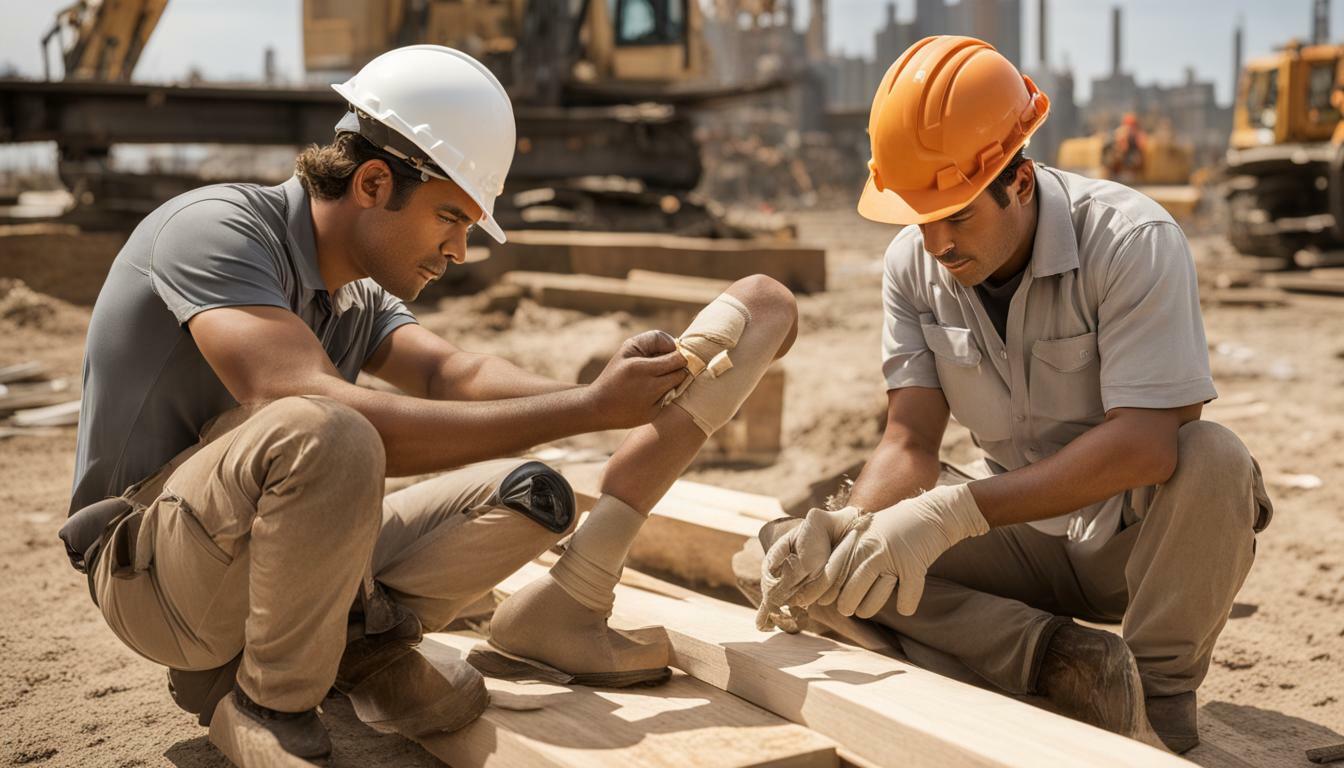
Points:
(394, 689)
(1090, 675)
(252, 736)
(1176, 720)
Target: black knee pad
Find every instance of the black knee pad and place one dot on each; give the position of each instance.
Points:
(539, 493)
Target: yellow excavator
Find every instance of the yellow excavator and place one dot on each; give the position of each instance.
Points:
(601, 90)
(102, 39)
(1282, 180)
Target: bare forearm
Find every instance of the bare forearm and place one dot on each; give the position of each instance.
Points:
(422, 435)
(895, 471)
(1112, 457)
(470, 376)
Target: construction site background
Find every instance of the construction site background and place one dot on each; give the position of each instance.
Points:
(773, 118)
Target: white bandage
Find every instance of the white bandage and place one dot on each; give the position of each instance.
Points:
(720, 382)
(706, 341)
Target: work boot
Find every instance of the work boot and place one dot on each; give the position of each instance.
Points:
(395, 689)
(1176, 720)
(1090, 675)
(543, 627)
(253, 736)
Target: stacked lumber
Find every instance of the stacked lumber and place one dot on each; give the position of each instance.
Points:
(615, 254)
(684, 722)
(880, 711)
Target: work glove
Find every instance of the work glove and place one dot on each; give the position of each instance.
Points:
(895, 551)
(793, 572)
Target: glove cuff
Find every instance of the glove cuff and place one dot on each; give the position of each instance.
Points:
(961, 515)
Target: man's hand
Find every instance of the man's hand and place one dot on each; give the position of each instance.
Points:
(896, 550)
(794, 571)
(629, 391)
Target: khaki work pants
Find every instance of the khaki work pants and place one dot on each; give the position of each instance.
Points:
(1169, 577)
(262, 533)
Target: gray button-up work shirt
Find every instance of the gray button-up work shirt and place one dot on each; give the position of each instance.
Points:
(147, 389)
(1107, 316)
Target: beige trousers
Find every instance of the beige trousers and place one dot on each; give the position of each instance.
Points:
(1169, 577)
(257, 539)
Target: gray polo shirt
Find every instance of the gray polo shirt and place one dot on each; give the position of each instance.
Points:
(1106, 316)
(147, 390)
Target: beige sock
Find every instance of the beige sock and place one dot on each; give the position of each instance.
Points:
(591, 567)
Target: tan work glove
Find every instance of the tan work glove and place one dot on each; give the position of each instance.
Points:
(896, 549)
(793, 572)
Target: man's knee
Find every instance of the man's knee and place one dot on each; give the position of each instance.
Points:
(769, 301)
(1214, 472)
(1204, 447)
(328, 439)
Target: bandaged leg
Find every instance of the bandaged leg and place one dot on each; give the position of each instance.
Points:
(560, 620)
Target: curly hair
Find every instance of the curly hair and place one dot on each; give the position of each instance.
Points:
(325, 172)
(998, 188)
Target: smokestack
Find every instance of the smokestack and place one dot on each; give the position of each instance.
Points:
(1041, 48)
(1236, 57)
(1115, 41)
(1320, 21)
(816, 32)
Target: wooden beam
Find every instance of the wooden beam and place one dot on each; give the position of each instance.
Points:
(22, 372)
(614, 254)
(885, 712)
(59, 415)
(694, 530)
(596, 295)
(682, 723)
(15, 397)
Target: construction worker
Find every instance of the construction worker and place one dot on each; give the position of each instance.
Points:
(1125, 152)
(1057, 318)
(228, 499)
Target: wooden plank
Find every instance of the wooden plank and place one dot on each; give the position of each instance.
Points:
(693, 531)
(15, 397)
(666, 278)
(1311, 284)
(596, 295)
(22, 372)
(885, 712)
(614, 254)
(59, 415)
(682, 723)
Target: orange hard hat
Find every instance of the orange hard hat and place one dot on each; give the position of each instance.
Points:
(947, 118)
(1131, 119)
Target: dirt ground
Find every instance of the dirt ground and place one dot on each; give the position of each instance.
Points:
(71, 694)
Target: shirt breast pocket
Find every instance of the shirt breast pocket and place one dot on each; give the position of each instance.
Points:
(1066, 379)
(974, 391)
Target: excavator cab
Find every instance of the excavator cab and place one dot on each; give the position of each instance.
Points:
(1282, 180)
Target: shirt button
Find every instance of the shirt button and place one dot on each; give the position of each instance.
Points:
(1019, 418)
(1003, 353)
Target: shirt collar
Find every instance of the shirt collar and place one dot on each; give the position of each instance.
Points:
(1056, 248)
(303, 247)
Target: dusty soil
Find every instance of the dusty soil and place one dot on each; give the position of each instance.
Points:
(71, 694)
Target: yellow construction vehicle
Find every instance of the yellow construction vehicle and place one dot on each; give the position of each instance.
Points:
(1157, 165)
(106, 37)
(602, 91)
(1277, 178)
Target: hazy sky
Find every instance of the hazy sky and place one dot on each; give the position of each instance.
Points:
(226, 40)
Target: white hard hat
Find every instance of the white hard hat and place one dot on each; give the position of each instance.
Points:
(446, 104)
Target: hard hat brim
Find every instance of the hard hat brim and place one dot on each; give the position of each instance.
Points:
(887, 207)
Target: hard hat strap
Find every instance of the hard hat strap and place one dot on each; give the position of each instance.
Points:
(398, 146)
